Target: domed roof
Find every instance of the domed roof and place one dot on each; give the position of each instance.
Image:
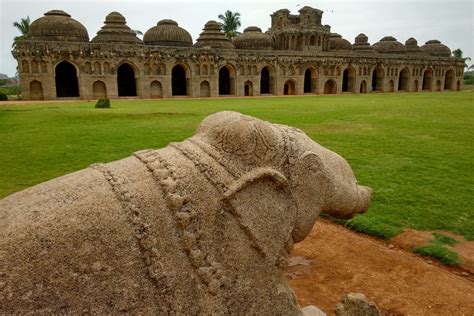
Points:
(168, 33)
(389, 45)
(435, 48)
(57, 25)
(213, 37)
(253, 38)
(116, 30)
(361, 42)
(411, 45)
(336, 42)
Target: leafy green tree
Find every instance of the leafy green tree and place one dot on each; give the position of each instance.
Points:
(23, 26)
(230, 23)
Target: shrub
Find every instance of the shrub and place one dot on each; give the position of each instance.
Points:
(3, 96)
(103, 103)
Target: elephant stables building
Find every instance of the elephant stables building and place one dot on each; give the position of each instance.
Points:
(297, 55)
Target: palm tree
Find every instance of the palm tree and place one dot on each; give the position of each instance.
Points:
(23, 27)
(230, 23)
(458, 54)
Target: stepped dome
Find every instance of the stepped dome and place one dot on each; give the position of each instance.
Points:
(168, 33)
(361, 42)
(115, 30)
(57, 25)
(213, 37)
(412, 46)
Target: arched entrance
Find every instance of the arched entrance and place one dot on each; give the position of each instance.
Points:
(348, 80)
(448, 80)
(427, 80)
(99, 90)
(66, 80)
(266, 81)
(156, 90)
(330, 87)
(36, 90)
(289, 88)
(205, 89)
(126, 81)
(363, 87)
(458, 86)
(404, 80)
(416, 86)
(248, 88)
(377, 79)
(178, 81)
(310, 76)
(391, 86)
(225, 81)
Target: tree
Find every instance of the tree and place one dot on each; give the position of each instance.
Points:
(23, 27)
(230, 23)
(458, 54)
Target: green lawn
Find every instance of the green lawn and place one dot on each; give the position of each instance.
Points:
(414, 149)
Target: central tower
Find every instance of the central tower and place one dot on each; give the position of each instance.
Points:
(303, 32)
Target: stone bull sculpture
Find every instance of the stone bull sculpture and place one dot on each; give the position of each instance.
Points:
(204, 226)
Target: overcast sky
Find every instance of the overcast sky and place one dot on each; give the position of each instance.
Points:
(450, 21)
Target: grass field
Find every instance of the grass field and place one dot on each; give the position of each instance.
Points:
(414, 149)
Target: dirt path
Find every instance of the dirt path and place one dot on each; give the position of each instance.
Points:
(333, 261)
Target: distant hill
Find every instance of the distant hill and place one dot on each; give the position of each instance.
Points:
(3, 76)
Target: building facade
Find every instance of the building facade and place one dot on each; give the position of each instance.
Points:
(297, 55)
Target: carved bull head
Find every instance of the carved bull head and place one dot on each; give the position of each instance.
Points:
(314, 178)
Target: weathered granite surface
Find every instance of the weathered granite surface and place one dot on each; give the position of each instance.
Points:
(203, 226)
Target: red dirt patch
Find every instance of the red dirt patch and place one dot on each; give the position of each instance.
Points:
(411, 238)
(339, 261)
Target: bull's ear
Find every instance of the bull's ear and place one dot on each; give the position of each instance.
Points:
(263, 207)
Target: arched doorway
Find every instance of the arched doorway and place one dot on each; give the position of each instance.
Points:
(67, 85)
(266, 81)
(377, 79)
(36, 90)
(330, 87)
(391, 86)
(178, 81)
(156, 90)
(126, 81)
(289, 88)
(363, 87)
(348, 80)
(448, 80)
(248, 88)
(416, 86)
(99, 90)
(225, 81)
(427, 80)
(310, 76)
(458, 86)
(205, 89)
(404, 80)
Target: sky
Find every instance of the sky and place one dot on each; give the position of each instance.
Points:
(450, 21)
